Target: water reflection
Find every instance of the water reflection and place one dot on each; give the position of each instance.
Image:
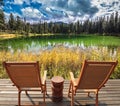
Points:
(37, 47)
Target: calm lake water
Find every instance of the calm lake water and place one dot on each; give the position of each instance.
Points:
(36, 45)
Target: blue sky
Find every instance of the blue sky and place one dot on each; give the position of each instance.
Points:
(60, 10)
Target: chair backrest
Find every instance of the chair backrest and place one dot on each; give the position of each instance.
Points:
(24, 74)
(95, 74)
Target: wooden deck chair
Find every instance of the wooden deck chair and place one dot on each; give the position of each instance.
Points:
(26, 77)
(92, 77)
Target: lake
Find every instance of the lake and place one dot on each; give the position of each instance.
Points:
(36, 44)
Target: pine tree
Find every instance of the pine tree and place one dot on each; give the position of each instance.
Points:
(27, 29)
(111, 24)
(116, 22)
(11, 22)
(119, 25)
(18, 24)
(2, 17)
(40, 30)
(2, 20)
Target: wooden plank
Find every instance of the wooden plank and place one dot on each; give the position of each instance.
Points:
(108, 95)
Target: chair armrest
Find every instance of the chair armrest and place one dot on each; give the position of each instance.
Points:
(73, 79)
(44, 77)
(72, 76)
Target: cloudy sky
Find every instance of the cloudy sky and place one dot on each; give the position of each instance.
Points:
(60, 10)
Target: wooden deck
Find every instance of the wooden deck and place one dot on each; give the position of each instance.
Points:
(108, 95)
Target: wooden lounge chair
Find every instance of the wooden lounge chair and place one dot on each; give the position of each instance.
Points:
(26, 77)
(92, 78)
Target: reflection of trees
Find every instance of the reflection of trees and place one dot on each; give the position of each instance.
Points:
(112, 49)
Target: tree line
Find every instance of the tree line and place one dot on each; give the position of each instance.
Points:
(109, 25)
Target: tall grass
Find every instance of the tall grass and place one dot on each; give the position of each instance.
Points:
(60, 60)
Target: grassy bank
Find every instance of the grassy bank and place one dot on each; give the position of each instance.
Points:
(59, 61)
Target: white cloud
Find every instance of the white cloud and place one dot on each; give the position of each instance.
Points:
(76, 7)
(81, 8)
(20, 2)
(106, 7)
(67, 10)
(37, 1)
(48, 9)
(28, 11)
(31, 13)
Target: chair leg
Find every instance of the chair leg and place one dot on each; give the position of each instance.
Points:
(69, 90)
(19, 97)
(44, 93)
(45, 89)
(26, 92)
(88, 94)
(96, 98)
(72, 96)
